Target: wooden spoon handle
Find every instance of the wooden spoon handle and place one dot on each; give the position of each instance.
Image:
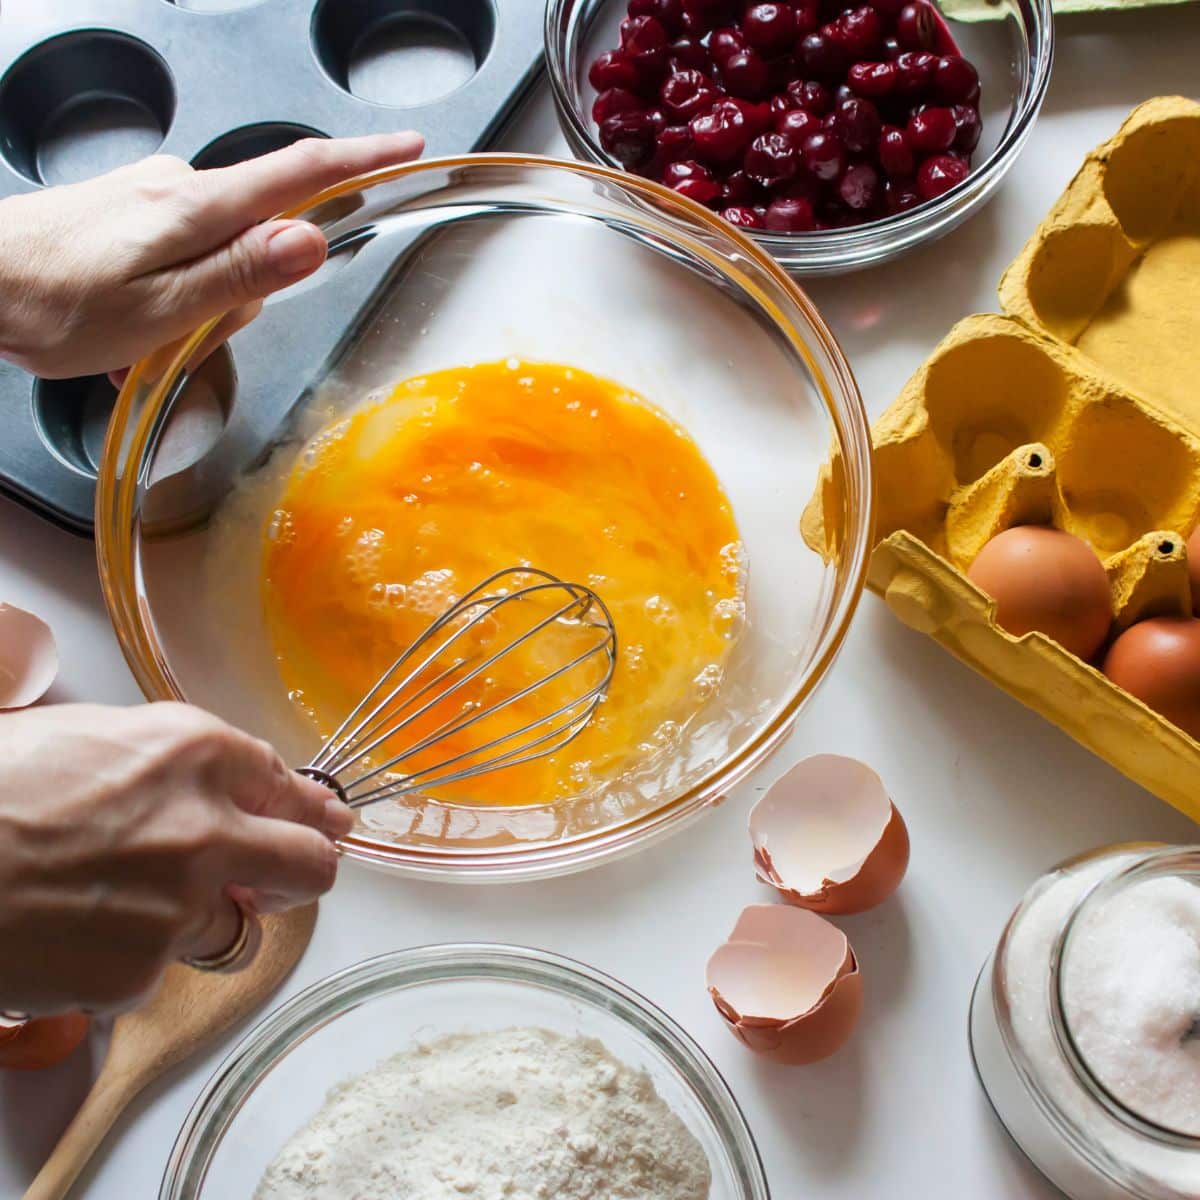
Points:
(110, 1095)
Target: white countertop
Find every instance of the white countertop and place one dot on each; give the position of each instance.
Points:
(991, 792)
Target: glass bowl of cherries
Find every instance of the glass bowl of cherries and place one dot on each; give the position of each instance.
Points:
(836, 133)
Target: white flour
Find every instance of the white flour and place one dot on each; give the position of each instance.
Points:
(519, 1114)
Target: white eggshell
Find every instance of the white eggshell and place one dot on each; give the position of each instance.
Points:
(787, 984)
(827, 836)
(28, 657)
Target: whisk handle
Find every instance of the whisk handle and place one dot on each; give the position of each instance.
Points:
(328, 780)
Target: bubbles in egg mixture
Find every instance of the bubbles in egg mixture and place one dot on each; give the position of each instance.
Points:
(405, 504)
(431, 593)
(729, 617)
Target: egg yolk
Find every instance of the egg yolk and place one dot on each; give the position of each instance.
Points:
(395, 511)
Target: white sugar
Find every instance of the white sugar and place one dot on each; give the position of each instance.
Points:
(1131, 993)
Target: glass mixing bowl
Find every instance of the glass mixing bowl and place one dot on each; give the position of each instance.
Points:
(469, 260)
(1012, 49)
(278, 1077)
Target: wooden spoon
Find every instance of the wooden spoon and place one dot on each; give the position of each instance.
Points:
(187, 1012)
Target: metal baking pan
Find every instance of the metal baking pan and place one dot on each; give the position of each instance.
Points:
(86, 85)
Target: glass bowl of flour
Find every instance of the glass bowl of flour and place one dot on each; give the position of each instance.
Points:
(466, 1072)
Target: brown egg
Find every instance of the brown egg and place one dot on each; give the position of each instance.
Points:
(40, 1042)
(1158, 661)
(1046, 580)
(1193, 561)
(787, 984)
(827, 836)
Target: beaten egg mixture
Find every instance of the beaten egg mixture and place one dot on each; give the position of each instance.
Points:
(393, 512)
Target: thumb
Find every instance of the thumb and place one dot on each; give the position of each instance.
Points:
(260, 261)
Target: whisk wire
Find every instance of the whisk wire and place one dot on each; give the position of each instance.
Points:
(391, 707)
(459, 721)
(527, 753)
(341, 740)
(388, 717)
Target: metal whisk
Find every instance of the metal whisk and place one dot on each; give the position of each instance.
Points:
(441, 664)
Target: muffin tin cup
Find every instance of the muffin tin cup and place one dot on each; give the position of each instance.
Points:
(86, 85)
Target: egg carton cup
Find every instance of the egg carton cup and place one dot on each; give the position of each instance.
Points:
(1080, 407)
(213, 88)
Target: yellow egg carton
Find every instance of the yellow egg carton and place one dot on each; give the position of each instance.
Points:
(1080, 408)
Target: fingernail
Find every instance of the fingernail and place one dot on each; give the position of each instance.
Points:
(339, 819)
(295, 250)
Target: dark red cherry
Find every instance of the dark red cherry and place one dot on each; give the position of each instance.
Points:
(738, 189)
(858, 188)
(673, 144)
(860, 32)
(616, 100)
(797, 124)
(701, 16)
(804, 187)
(931, 130)
(916, 25)
(613, 69)
(629, 138)
(722, 134)
(822, 58)
(687, 93)
(677, 172)
(746, 74)
(790, 215)
(968, 126)
(742, 216)
(770, 28)
(824, 155)
(955, 81)
(644, 41)
(895, 154)
(726, 41)
(899, 195)
(668, 12)
(914, 72)
(703, 191)
(811, 96)
(687, 52)
(808, 17)
(874, 80)
(858, 123)
(759, 117)
(771, 159)
(938, 174)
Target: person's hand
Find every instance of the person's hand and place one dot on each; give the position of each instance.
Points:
(126, 836)
(97, 275)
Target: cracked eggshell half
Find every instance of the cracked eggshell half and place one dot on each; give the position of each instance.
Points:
(787, 984)
(828, 837)
(28, 657)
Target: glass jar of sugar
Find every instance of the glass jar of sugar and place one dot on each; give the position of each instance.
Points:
(1085, 1024)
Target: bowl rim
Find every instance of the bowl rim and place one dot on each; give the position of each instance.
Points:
(138, 413)
(295, 1020)
(817, 251)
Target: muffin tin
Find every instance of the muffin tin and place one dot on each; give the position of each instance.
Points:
(88, 84)
(1079, 407)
